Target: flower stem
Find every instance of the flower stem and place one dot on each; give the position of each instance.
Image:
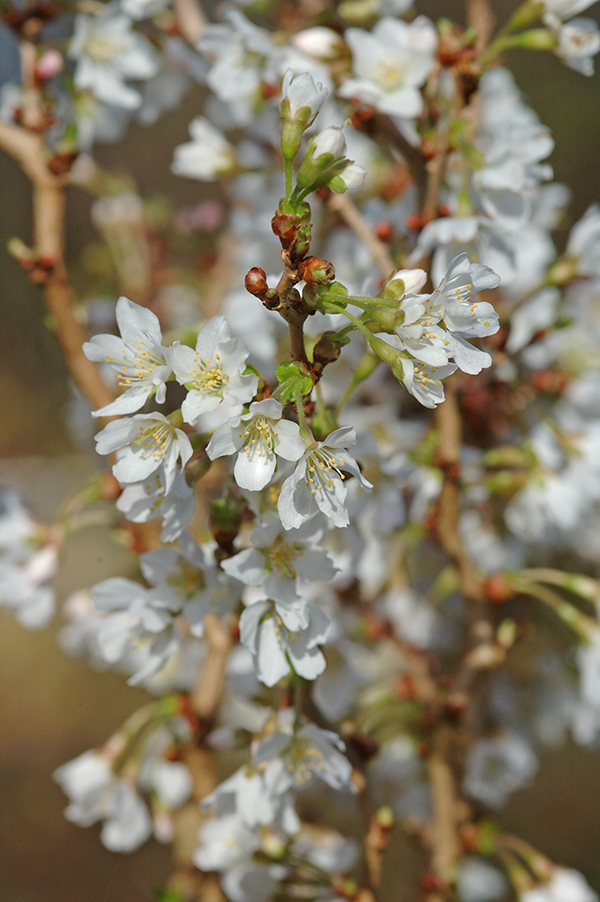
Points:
(289, 173)
(304, 430)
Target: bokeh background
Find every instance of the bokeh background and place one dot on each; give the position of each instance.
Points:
(53, 707)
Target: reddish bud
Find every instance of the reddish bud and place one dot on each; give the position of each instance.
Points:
(384, 231)
(51, 63)
(428, 148)
(268, 91)
(362, 116)
(256, 281)
(469, 838)
(429, 883)
(61, 163)
(316, 271)
(404, 687)
(553, 381)
(416, 222)
(497, 589)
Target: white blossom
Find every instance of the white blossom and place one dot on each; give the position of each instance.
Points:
(307, 753)
(213, 371)
(143, 9)
(318, 481)
(96, 793)
(565, 885)
(390, 63)
(278, 632)
(258, 438)
(301, 93)
(424, 382)
(278, 556)
(149, 498)
(578, 42)
(138, 356)
(497, 767)
(134, 618)
(149, 441)
(109, 51)
(208, 156)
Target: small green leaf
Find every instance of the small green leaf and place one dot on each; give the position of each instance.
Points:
(292, 381)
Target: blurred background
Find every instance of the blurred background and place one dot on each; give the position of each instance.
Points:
(54, 707)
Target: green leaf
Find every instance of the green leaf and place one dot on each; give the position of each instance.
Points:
(293, 380)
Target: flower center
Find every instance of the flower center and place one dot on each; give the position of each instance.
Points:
(320, 470)
(259, 437)
(303, 759)
(389, 73)
(154, 439)
(208, 376)
(101, 50)
(187, 580)
(282, 555)
(137, 365)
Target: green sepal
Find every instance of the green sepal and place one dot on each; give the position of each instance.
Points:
(169, 895)
(293, 381)
(338, 289)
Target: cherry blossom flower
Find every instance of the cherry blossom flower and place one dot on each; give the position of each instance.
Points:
(109, 51)
(257, 438)
(143, 501)
(390, 63)
(134, 617)
(208, 156)
(96, 793)
(277, 633)
(497, 767)
(565, 885)
(301, 92)
(138, 356)
(213, 372)
(278, 556)
(298, 758)
(149, 441)
(318, 481)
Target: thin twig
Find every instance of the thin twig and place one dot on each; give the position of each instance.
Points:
(48, 237)
(341, 203)
(206, 695)
(190, 18)
(444, 835)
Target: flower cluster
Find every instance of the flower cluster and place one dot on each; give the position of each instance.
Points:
(374, 585)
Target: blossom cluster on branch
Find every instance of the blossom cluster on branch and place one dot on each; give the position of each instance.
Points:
(347, 455)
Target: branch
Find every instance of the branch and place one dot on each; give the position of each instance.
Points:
(482, 20)
(190, 18)
(341, 203)
(48, 238)
(445, 843)
(208, 690)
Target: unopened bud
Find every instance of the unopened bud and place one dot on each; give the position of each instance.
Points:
(316, 271)
(385, 817)
(225, 521)
(536, 39)
(197, 466)
(50, 64)
(498, 589)
(256, 281)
